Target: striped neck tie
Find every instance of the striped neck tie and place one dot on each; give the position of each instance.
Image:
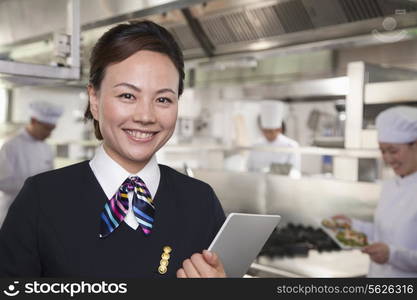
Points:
(117, 207)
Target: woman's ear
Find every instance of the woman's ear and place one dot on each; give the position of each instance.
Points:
(93, 101)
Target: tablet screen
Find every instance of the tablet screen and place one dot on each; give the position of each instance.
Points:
(240, 239)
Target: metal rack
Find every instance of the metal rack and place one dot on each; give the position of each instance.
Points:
(32, 73)
(364, 85)
(354, 153)
(371, 84)
(391, 92)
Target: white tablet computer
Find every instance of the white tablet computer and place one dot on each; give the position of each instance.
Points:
(240, 240)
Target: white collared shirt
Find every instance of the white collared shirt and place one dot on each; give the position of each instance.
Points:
(111, 175)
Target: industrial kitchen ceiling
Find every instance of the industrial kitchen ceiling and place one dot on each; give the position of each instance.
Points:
(218, 28)
(247, 26)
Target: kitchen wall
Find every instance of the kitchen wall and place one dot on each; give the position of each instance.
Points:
(226, 116)
(227, 119)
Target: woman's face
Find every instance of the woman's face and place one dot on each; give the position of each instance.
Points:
(402, 158)
(136, 107)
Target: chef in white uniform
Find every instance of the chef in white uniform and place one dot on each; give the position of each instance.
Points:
(26, 153)
(392, 235)
(271, 117)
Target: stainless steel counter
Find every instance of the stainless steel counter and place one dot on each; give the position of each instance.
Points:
(300, 201)
(346, 263)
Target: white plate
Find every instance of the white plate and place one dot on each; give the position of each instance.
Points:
(333, 233)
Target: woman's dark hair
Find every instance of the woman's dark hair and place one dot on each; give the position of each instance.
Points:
(124, 40)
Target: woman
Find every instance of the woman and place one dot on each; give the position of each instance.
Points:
(393, 248)
(120, 214)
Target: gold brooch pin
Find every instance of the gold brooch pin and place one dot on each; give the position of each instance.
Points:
(163, 263)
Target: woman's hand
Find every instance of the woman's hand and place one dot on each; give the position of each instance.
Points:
(378, 252)
(202, 265)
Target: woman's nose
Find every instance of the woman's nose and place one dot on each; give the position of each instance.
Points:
(144, 112)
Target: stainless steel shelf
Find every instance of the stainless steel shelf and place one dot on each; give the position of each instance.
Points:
(316, 264)
(38, 71)
(25, 73)
(305, 90)
(391, 92)
(328, 87)
(358, 153)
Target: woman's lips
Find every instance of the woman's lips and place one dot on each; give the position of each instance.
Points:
(140, 136)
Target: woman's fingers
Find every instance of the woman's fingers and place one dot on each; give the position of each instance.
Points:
(181, 273)
(206, 265)
(189, 269)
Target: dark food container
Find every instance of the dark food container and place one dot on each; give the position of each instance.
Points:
(296, 240)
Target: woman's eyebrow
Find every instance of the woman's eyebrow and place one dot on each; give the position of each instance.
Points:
(166, 90)
(137, 89)
(129, 85)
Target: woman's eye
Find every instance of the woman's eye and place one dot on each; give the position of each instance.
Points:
(126, 96)
(164, 100)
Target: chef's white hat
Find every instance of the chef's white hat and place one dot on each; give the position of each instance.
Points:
(272, 114)
(397, 125)
(45, 112)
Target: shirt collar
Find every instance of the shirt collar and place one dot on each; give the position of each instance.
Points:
(111, 175)
(412, 178)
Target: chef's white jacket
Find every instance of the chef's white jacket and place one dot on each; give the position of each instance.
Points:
(262, 160)
(395, 224)
(20, 157)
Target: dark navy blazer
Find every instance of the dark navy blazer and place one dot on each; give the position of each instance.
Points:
(52, 228)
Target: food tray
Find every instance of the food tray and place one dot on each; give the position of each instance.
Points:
(334, 232)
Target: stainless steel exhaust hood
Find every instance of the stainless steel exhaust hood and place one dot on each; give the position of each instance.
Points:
(221, 27)
(229, 25)
(258, 25)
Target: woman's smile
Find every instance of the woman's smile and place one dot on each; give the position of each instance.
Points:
(139, 135)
